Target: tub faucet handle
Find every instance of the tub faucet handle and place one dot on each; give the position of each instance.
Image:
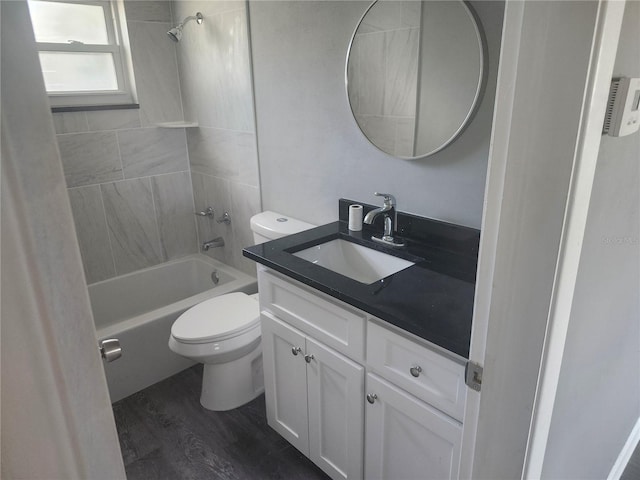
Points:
(226, 219)
(207, 212)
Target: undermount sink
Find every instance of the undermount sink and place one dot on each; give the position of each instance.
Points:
(355, 261)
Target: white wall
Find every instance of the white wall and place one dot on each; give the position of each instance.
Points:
(310, 149)
(598, 397)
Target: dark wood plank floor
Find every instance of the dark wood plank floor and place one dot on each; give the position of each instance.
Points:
(166, 434)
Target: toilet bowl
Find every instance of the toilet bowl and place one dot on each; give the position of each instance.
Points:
(223, 332)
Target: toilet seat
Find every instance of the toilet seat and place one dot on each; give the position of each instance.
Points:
(217, 319)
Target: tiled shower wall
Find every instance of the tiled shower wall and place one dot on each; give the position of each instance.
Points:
(129, 182)
(215, 77)
(132, 184)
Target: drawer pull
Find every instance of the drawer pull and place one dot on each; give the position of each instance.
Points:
(415, 371)
(308, 358)
(296, 350)
(371, 398)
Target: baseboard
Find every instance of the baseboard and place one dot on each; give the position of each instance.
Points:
(625, 454)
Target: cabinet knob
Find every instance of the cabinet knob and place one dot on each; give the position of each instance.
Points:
(415, 371)
(371, 397)
(308, 358)
(296, 350)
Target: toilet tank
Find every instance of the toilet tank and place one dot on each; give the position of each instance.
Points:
(271, 225)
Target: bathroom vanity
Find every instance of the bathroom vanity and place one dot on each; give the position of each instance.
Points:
(368, 379)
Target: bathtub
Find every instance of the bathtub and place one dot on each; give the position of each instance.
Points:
(139, 309)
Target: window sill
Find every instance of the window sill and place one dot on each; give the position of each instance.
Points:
(91, 108)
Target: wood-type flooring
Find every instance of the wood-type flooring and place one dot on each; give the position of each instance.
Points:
(165, 433)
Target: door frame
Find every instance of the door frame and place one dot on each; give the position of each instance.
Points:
(500, 238)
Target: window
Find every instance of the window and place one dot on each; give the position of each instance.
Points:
(82, 52)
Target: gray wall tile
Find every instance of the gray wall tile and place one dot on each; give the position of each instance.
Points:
(380, 130)
(247, 159)
(214, 192)
(113, 119)
(148, 10)
(152, 151)
(384, 16)
(156, 73)
(245, 203)
(173, 199)
(70, 122)
(369, 80)
(411, 11)
(149, 220)
(210, 150)
(92, 231)
(215, 67)
(405, 133)
(401, 76)
(90, 158)
(216, 84)
(132, 224)
(224, 153)
(219, 6)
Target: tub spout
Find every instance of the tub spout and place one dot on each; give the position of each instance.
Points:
(215, 243)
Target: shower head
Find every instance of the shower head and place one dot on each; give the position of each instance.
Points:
(175, 33)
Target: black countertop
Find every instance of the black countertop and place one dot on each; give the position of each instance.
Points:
(432, 299)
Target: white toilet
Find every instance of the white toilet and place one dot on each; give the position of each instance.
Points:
(224, 332)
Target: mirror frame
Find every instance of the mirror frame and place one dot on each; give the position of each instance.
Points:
(479, 94)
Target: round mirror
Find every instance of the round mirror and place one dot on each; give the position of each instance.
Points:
(415, 74)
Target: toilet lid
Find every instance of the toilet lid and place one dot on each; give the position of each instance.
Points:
(217, 318)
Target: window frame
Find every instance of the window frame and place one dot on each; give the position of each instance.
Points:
(118, 47)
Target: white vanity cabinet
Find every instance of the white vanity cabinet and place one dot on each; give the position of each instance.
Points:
(319, 354)
(313, 393)
(412, 414)
(407, 438)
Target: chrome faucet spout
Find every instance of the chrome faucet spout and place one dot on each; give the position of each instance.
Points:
(216, 242)
(388, 209)
(389, 205)
(371, 216)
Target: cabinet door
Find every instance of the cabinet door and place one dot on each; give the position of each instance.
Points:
(406, 438)
(285, 381)
(336, 412)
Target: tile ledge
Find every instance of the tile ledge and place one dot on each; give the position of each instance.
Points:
(179, 124)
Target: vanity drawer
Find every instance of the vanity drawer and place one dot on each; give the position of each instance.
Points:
(316, 314)
(426, 374)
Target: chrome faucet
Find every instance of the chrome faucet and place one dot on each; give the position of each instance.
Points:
(216, 242)
(388, 209)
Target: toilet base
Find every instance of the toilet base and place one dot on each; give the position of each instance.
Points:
(229, 385)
